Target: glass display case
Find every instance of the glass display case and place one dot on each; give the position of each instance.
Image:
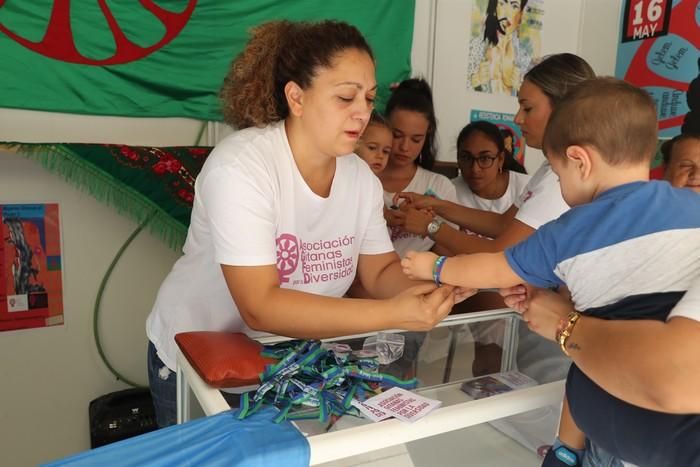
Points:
(506, 425)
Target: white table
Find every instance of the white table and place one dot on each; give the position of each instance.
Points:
(457, 412)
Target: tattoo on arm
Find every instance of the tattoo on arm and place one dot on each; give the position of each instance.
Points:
(573, 346)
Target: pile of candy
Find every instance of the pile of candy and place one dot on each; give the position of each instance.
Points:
(317, 380)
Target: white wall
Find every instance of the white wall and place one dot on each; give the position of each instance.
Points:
(48, 376)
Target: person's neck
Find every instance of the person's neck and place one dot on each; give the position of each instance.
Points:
(612, 177)
(316, 169)
(400, 171)
(496, 189)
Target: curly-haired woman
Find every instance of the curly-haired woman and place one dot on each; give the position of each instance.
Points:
(284, 214)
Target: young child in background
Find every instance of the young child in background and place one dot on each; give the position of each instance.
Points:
(626, 245)
(374, 146)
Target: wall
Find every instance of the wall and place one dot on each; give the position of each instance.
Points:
(50, 375)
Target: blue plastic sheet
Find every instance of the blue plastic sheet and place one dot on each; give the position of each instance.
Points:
(218, 440)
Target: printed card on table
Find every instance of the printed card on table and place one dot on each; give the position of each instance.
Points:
(374, 414)
(403, 404)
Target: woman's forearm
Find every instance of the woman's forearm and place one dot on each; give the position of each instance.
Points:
(460, 242)
(490, 224)
(652, 364)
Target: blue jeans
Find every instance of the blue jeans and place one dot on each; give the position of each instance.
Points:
(596, 456)
(163, 383)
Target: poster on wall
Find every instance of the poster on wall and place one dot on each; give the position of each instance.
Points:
(505, 39)
(31, 290)
(507, 125)
(658, 52)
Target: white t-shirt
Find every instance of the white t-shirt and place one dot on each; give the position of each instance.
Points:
(424, 182)
(466, 197)
(689, 305)
(541, 201)
(252, 207)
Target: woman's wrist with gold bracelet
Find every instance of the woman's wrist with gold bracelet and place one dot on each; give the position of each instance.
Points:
(566, 329)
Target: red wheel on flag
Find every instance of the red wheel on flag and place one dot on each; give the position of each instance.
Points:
(59, 39)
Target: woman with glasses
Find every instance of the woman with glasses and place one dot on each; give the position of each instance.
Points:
(486, 183)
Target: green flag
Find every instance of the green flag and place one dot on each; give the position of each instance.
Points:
(162, 58)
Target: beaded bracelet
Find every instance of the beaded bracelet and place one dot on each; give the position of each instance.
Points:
(437, 269)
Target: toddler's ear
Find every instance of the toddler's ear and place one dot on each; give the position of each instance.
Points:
(581, 157)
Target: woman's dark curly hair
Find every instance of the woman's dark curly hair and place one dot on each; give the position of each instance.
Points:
(279, 52)
(415, 95)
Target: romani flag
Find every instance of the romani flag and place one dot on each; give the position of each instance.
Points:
(162, 58)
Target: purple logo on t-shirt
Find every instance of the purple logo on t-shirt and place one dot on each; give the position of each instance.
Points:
(287, 256)
(320, 260)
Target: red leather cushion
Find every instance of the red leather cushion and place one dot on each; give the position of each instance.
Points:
(223, 359)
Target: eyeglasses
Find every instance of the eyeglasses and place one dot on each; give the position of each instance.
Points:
(484, 162)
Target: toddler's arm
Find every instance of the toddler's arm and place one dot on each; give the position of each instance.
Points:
(478, 271)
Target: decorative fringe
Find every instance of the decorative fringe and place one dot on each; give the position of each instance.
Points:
(106, 189)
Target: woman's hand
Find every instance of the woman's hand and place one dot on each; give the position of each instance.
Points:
(417, 201)
(394, 217)
(421, 307)
(543, 310)
(416, 221)
(515, 297)
(419, 266)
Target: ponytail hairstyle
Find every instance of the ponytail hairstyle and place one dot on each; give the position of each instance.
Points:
(279, 52)
(557, 74)
(415, 95)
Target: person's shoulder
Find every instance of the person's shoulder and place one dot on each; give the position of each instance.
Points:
(518, 177)
(352, 163)
(248, 146)
(517, 181)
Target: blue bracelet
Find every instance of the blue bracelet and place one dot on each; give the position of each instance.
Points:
(437, 269)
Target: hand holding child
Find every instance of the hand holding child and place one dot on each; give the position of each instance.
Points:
(543, 310)
(419, 265)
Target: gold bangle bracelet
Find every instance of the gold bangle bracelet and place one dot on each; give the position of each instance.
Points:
(565, 333)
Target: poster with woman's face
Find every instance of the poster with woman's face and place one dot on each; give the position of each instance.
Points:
(505, 39)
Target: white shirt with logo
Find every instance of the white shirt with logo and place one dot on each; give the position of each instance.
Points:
(424, 182)
(252, 208)
(541, 201)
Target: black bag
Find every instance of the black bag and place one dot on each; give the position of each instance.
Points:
(120, 415)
